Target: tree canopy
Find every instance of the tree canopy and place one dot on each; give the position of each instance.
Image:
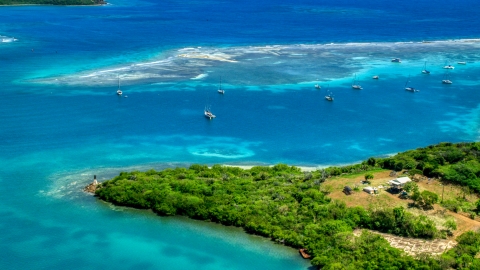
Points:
(292, 208)
(456, 163)
(278, 202)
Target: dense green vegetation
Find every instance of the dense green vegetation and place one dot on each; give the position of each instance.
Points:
(52, 2)
(292, 207)
(463, 255)
(455, 163)
(460, 204)
(425, 199)
(278, 202)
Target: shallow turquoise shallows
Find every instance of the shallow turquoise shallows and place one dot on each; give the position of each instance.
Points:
(62, 122)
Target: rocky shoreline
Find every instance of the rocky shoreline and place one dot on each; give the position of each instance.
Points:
(92, 187)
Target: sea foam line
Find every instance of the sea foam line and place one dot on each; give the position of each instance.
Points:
(193, 63)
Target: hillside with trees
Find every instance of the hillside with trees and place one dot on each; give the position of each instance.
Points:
(292, 207)
(455, 163)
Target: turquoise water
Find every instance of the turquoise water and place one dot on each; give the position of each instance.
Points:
(62, 122)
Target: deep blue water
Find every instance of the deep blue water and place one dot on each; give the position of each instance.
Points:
(61, 121)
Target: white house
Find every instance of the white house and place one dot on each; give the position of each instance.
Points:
(399, 182)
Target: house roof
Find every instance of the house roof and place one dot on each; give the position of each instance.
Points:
(403, 180)
(400, 181)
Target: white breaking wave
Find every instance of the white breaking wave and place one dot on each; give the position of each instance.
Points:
(201, 76)
(272, 64)
(5, 39)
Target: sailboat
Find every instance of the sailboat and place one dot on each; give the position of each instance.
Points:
(119, 92)
(208, 114)
(220, 90)
(354, 85)
(329, 97)
(446, 80)
(425, 71)
(411, 89)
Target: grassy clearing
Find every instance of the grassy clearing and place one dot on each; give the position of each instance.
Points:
(385, 199)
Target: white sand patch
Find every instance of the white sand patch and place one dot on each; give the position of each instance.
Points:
(205, 56)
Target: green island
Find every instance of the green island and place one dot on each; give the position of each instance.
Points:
(52, 2)
(294, 208)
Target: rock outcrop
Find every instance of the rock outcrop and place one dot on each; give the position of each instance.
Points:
(92, 186)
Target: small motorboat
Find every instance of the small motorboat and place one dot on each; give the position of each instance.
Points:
(396, 60)
(462, 63)
(375, 77)
(446, 81)
(317, 86)
(304, 253)
(448, 67)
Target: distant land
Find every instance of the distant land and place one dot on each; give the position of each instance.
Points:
(53, 2)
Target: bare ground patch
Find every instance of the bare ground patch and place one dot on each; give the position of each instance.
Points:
(413, 246)
(385, 199)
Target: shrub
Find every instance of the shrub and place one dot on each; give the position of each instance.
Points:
(450, 224)
(412, 172)
(424, 199)
(371, 161)
(452, 205)
(410, 187)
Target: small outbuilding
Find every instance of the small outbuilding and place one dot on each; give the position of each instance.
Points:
(400, 182)
(371, 190)
(347, 190)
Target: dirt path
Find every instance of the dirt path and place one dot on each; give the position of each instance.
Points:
(464, 223)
